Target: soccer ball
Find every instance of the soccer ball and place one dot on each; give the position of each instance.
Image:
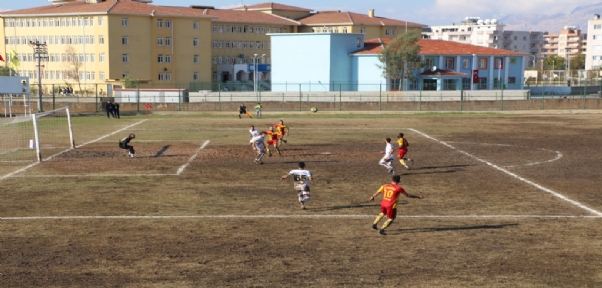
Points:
(313, 109)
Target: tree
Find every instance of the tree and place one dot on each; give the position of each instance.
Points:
(400, 57)
(73, 65)
(554, 62)
(577, 61)
(6, 71)
(129, 82)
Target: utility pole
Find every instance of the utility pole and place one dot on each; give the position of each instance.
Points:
(40, 53)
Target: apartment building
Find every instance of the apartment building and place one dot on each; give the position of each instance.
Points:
(593, 57)
(101, 41)
(490, 33)
(569, 42)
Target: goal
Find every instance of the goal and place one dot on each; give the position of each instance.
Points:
(36, 137)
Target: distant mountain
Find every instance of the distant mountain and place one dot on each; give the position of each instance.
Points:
(552, 23)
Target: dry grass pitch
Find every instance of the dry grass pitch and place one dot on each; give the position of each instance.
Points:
(510, 201)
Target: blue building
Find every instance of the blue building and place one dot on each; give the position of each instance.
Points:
(333, 62)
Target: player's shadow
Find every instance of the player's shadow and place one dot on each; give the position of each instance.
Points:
(160, 152)
(456, 228)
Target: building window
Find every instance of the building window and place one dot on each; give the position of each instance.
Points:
(160, 41)
(227, 28)
(124, 22)
(449, 84)
(196, 59)
(466, 82)
(161, 77)
(214, 44)
(466, 63)
(101, 21)
(168, 58)
(101, 39)
(598, 26)
(221, 60)
(363, 30)
(195, 25)
(167, 23)
(511, 80)
(482, 83)
(449, 63)
(221, 28)
(168, 76)
(227, 44)
(214, 60)
(214, 76)
(221, 44)
(159, 23)
(195, 42)
(101, 75)
(125, 58)
(101, 57)
(499, 63)
(160, 58)
(124, 40)
(196, 76)
(214, 28)
(482, 63)
(167, 41)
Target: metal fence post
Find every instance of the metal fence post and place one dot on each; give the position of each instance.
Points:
(461, 99)
(502, 102)
(179, 98)
(380, 97)
(53, 98)
(138, 97)
(219, 95)
(300, 96)
(340, 97)
(420, 97)
(96, 98)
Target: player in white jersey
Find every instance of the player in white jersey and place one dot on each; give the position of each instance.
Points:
(301, 178)
(387, 160)
(254, 133)
(259, 146)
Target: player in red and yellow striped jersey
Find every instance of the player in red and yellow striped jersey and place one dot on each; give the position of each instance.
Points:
(388, 206)
(282, 130)
(273, 141)
(403, 149)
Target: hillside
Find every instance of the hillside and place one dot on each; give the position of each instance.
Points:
(552, 23)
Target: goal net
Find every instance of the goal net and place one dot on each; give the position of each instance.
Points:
(36, 137)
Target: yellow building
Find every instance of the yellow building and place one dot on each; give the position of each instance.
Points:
(102, 41)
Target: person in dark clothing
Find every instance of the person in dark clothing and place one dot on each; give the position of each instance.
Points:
(242, 110)
(109, 108)
(124, 144)
(116, 110)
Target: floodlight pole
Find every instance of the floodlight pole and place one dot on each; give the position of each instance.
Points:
(40, 52)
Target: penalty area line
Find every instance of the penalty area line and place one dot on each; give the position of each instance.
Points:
(181, 169)
(556, 194)
(64, 151)
(299, 217)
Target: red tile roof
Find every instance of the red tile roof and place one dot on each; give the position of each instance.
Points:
(109, 7)
(350, 18)
(438, 47)
(273, 6)
(248, 17)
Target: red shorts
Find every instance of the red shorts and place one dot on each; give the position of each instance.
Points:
(279, 136)
(389, 211)
(401, 153)
(272, 142)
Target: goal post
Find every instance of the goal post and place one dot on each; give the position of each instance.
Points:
(53, 132)
(36, 137)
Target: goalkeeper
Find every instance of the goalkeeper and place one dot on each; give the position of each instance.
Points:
(124, 144)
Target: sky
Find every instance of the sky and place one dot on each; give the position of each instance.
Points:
(428, 12)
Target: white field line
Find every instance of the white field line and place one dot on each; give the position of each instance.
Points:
(556, 194)
(59, 153)
(300, 217)
(296, 128)
(92, 175)
(558, 153)
(181, 169)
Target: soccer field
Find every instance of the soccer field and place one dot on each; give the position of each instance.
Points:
(511, 200)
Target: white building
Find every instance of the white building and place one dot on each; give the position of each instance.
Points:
(569, 42)
(491, 34)
(593, 57)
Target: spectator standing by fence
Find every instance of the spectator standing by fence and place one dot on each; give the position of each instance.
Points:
(116, 110)
(109, 108)
(258, 108)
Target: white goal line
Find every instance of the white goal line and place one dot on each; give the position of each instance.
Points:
(323, 216)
